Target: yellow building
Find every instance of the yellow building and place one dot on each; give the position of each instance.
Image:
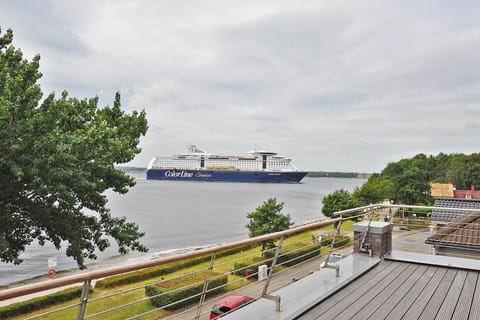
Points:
(444, 190)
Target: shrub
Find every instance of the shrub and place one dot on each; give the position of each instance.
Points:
(191, 286)
(135, 276)
(154, 272)
(240, 267)
(39, 303)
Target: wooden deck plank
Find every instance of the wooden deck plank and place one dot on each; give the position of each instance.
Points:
(448, 307)
(431, 309)
(406, 291)
(348, 306)
(347, 297)
(416, 284)
(377, 297)
(464, 304)
(475, 310)
(383, 269)
(417, 308)
(409, 298)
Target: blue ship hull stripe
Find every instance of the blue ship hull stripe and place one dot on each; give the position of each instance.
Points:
(231, 176)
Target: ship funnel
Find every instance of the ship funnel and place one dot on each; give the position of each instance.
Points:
(193, 149)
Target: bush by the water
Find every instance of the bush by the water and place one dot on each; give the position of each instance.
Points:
(39, 303)
(163, 294)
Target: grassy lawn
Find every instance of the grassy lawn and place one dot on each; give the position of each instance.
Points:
(222, 265)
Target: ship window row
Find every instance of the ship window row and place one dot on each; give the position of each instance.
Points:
(231, 164)
(179, 164)
(284, 164)
(221, 164)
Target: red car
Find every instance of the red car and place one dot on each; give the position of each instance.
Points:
(229, 304)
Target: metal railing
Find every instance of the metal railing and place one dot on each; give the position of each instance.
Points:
(130, 301)
(87, 305)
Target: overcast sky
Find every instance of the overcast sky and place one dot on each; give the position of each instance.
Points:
(335, 85)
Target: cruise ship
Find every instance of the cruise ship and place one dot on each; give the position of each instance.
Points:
(198, 165)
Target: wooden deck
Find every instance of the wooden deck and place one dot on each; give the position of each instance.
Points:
(403, 290)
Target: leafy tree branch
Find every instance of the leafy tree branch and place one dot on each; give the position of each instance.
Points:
(57, 159)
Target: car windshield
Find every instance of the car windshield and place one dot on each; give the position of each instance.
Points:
(220, 310)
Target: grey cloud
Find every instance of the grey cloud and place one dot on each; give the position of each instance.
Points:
(337, 85)
(37, 22)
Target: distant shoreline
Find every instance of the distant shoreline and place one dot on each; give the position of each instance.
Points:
(311, 174)
(338, 174)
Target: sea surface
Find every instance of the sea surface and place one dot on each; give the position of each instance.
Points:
(178, 216)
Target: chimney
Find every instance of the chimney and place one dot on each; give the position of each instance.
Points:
(472, 187)
(378, 237)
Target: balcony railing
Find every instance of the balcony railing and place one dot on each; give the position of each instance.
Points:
(145, 290)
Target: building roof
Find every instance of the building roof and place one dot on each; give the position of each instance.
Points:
(451, 215)
(442, 190)
(402, 286)
(446, 190)
(461, 233)
(467, 194)
(402, 290)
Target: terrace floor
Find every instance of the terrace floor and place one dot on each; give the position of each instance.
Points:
(405, 285)
(405, 290)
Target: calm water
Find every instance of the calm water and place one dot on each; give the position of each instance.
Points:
(178, 215)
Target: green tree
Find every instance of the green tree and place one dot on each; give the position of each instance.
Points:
(337, 201)
(457, 166)
(440, 166)
(412, 186)
(377, 189)
(409, 180)
(268, 218)
(471, 176)
(56, 161)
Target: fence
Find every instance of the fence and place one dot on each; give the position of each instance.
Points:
(180, 286)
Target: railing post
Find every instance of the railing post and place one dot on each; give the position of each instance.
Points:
(270, 274)
(84, 299)
(363, 246)
(327, 265)
(205, 287)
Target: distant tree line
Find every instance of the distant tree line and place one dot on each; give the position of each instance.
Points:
(408, 181)
(336, 174)
(130, 169)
